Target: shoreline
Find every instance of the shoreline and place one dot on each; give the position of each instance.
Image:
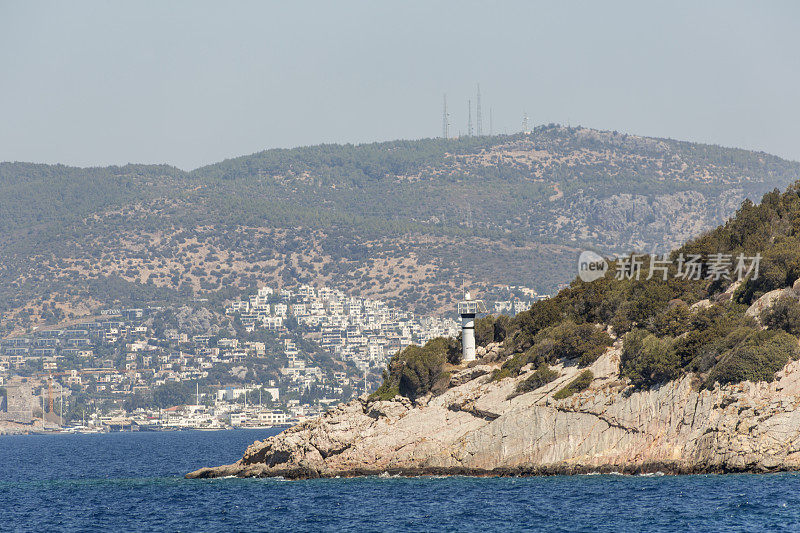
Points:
(254, 471)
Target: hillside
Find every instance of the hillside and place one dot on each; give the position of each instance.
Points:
(408, 221)
(669, 373)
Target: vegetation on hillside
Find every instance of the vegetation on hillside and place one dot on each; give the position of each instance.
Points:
(673, 326)
(578, 384)
(540, 377)
(401, 220)
(417, 370)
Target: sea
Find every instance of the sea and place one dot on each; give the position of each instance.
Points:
(134, 482)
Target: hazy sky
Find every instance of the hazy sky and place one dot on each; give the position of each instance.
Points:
(190, 83)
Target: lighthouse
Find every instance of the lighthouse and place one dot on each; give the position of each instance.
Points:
(468, 308)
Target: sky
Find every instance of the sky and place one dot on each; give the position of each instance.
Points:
(189, 83)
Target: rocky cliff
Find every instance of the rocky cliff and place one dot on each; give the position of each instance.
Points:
(480, 427)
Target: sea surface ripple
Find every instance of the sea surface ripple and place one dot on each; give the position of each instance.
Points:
(134, 482)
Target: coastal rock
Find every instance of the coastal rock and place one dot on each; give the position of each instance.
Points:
(469, 374)
(766, 301)
(15, 428)
(701, 304)
(480, 427)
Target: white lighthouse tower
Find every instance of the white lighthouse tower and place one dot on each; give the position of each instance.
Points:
(468, 308)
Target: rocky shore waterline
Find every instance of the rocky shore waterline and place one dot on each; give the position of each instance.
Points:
(479, 427)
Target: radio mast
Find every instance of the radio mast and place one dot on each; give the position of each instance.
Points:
(445, 119)
(469, 119)
(478, 117)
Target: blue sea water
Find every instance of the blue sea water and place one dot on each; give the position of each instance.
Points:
(134, 482)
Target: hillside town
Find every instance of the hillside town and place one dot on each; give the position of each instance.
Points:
(272, 358)
(360, 330)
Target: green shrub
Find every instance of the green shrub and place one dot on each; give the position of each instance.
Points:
(441, 384)
(525, 325)
(386, 391)
(544, 351)
(757, 358)
(783, 314)
(500, 373)
(646, 299)
(543, 375)
(721, 342)
(484, 330)
(578, 384)
(648, 360)
(581, 342)
(584, 342)
(621, 322)
(627, 303)
(450, 347)
(672, 321)
(414, 371)
(420, 372)
(512, 366)
(702, 349)
(502, 325)
(779, 268)
(712, 331)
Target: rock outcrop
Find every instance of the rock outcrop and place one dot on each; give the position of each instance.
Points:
(15, 428)
(479, 427)
(766, 301)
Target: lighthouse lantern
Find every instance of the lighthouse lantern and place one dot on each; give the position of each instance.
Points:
(468, 308)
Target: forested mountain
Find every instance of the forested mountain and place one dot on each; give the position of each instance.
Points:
(409, 221)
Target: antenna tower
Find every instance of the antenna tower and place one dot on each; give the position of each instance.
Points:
(445, 119)
(478, 113)
(469, 120)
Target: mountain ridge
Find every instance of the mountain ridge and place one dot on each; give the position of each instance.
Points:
(408, 221)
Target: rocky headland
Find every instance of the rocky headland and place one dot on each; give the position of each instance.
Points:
(483, 427)
(682, 373)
